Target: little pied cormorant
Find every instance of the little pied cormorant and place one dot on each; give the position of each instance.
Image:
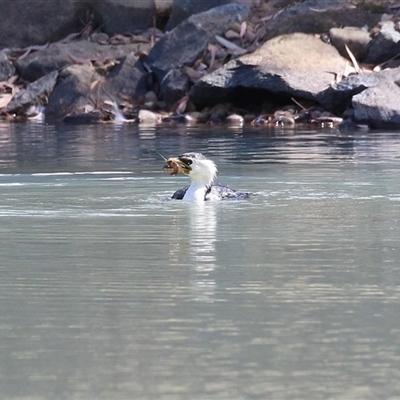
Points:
(202, 173)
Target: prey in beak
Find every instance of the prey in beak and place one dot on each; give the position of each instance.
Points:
(174, 165)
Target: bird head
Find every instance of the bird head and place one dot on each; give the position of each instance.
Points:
(199, 168)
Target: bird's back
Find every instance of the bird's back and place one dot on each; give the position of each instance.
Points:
(215, 192)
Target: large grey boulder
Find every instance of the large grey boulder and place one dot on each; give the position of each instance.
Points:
(318, 16)
(81, 89)
(185, 43)
(121, 16)
(296, 65)
(355, 39)
(379, 105)
(60, 55)
(385, 45)
(25, 23)
(35, 94)
(182, 9)
(75, 93)
(174, 87)
(337, 97)
(128, 80)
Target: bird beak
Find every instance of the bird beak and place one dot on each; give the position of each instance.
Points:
(175, 165)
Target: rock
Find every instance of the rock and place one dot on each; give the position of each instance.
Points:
(221, 111)
(100, 38)
(200, 117)
(232, 35)
(27, 23)
(37, 22)
(278, 67)
(92, 117)
(164, 7)
(350, 126)
(150, 96)
(74, 93)
(59, 55)
(234, 120)
(174, 86)
(35, 93)
(121, 16)
(94, 67)
(379, 105)
(356, 40)
(328, 119)
(316, 16)
(338, 96)
(82, 89)
(385, 45)
(249, 117)
(195, 117)
(126, 80)
(148, 117)
(185, 43)
(183, 9)
(7, 70)
(283, 117)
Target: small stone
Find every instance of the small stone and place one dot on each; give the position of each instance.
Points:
(230, 34)
(99, 37)
(150, 96)
(193, 117)
(148, 117)
(235, 119)
(283, 117)
(220, 111)
(150, 100)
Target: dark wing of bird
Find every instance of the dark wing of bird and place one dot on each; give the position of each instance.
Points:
(178, 195)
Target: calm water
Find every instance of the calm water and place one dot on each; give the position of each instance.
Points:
(109, 290)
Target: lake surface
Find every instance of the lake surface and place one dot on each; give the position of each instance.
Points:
(109, 290)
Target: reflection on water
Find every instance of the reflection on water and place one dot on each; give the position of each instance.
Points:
(110, 290)
(193, 239)
(69, 148)
(203, 225)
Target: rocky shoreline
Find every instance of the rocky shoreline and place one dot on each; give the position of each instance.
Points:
(275, 62)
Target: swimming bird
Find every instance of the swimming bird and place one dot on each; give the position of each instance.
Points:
(202, 173)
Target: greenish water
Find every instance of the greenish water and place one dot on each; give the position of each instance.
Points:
(109, 290)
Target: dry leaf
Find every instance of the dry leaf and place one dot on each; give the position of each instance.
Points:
(243, 28)
(94, 84)
(353, 59)
(192, 74)
(234, 48)
(78, 60)
(180, 106)
(5, 99)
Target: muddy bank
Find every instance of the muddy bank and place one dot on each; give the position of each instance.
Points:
(276, 62)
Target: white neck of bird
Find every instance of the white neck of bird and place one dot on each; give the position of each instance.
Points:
(202, 178)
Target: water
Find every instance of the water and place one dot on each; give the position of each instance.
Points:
(109, 290)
